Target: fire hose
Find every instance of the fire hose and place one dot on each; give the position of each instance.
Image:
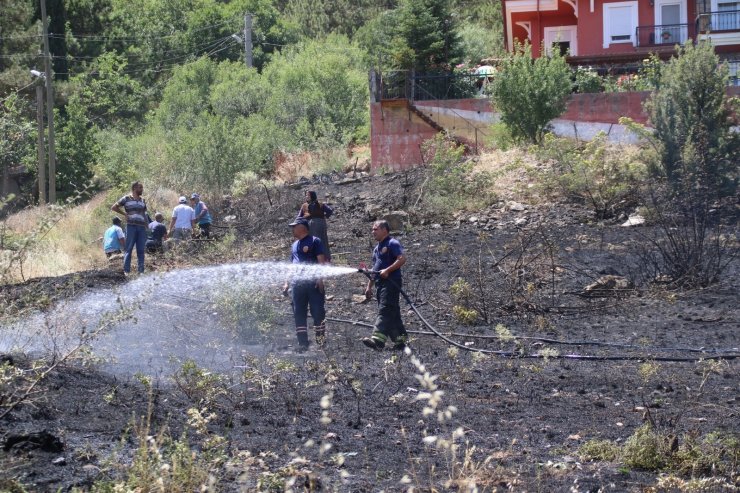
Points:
(726, 354)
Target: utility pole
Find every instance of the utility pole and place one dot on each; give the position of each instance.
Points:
(49, 108)
(42, 153)
(247, 39)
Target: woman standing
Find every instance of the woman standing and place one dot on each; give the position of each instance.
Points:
(317, 214)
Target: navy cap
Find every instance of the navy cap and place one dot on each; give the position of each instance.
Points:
(195, 196)
(298, 221)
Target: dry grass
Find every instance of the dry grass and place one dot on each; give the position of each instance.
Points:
(70, 246)
(75, 243)
(512, 171)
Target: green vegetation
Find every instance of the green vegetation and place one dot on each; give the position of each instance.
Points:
(653, 450)
(454, 182)
(146, 91)
(605, 176)
(696, 146)
(529, 93)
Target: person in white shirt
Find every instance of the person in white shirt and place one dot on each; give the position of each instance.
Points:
(183, 221)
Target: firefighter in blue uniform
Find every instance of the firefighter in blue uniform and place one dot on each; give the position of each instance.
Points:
(308, 294)
(388, 258)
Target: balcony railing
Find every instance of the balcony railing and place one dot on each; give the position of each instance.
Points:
(718, 21)
(734, 67)
(665, 34)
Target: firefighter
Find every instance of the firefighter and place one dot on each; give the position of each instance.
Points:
(388, 258)
(307, 294)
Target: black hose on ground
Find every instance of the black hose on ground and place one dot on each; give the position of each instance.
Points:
(516, 354)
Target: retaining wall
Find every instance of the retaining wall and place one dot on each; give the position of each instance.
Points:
(397, 133)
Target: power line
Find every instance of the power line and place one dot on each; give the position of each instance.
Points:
(96, 37)
(17, 91)
(137, 68)
(22, 36)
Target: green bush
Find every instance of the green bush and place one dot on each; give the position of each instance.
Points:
(695, 166)
(454, 184)
(604, 176)
(588, 80)
(691, 117)
(246, 311)
(645, 449)
(529, 93)
(605, 450)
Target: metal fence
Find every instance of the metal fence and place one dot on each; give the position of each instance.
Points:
(665, 34)
(448, 86)
(404, 84)
(718, 21)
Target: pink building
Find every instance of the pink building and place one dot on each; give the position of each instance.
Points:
(596, 32)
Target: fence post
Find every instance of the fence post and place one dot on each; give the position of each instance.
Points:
(412, 81)
(373, 86)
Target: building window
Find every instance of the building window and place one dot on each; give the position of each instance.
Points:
(620, 22)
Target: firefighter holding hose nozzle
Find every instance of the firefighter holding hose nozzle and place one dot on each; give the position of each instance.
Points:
(388, 258)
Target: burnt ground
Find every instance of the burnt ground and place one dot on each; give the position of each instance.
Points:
(524, 417)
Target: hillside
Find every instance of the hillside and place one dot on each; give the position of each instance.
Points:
(558, 397)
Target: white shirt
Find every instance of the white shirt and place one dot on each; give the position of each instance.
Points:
(183, 215)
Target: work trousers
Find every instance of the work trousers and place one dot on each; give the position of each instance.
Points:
(135, 237)
(306, 296)
(388, 321)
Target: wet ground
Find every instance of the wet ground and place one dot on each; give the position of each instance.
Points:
(583, 368)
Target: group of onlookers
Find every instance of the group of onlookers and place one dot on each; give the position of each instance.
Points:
(144, 234)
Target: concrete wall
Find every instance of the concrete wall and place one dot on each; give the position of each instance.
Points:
(396, 133)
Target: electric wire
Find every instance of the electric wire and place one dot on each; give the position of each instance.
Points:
(168, 62)
(133, 55)
(521, 355)
(17, 91)
(97, 37)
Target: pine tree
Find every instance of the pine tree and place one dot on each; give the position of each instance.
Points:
(427, 38)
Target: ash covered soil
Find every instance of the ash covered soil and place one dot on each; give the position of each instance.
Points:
(524, 417)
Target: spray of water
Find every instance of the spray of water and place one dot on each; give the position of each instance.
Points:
(170, 317)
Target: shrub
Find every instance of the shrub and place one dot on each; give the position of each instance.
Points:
(465, 316)
(694, 167)
(529, 93)
(605, 450)
(645, 449)
(602, 175)
(453, 183)
(247, 311)
(588, 80)
(691, 116)
(705, 456)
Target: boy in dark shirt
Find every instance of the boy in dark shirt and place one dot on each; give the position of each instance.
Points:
(158, 232)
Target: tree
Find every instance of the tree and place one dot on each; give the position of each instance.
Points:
(426, 38)
(319, 92)
(696, 165)
(17, 135)
(111, 96)
(19, 43)
(77, 150)
(529, 93)
(691, 117)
